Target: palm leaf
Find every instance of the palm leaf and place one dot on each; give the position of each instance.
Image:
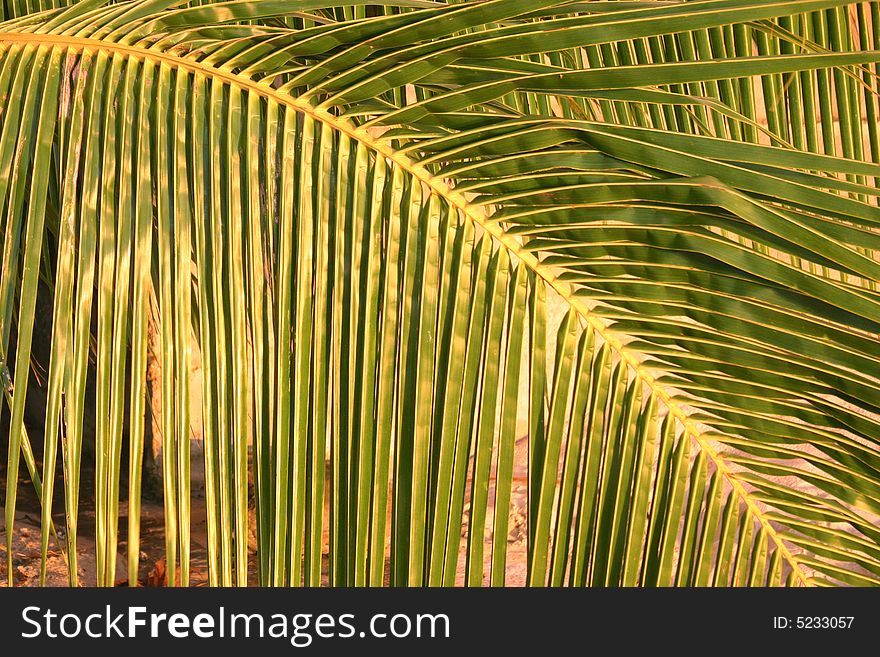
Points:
(407, 238)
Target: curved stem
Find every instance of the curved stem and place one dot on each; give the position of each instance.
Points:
(458, 201)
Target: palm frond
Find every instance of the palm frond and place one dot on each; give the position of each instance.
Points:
(408, 239)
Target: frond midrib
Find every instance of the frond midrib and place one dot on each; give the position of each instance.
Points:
(457, 200)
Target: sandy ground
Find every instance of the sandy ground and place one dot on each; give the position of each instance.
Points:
(26, 541)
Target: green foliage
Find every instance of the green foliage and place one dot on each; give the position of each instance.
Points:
(373, 215)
